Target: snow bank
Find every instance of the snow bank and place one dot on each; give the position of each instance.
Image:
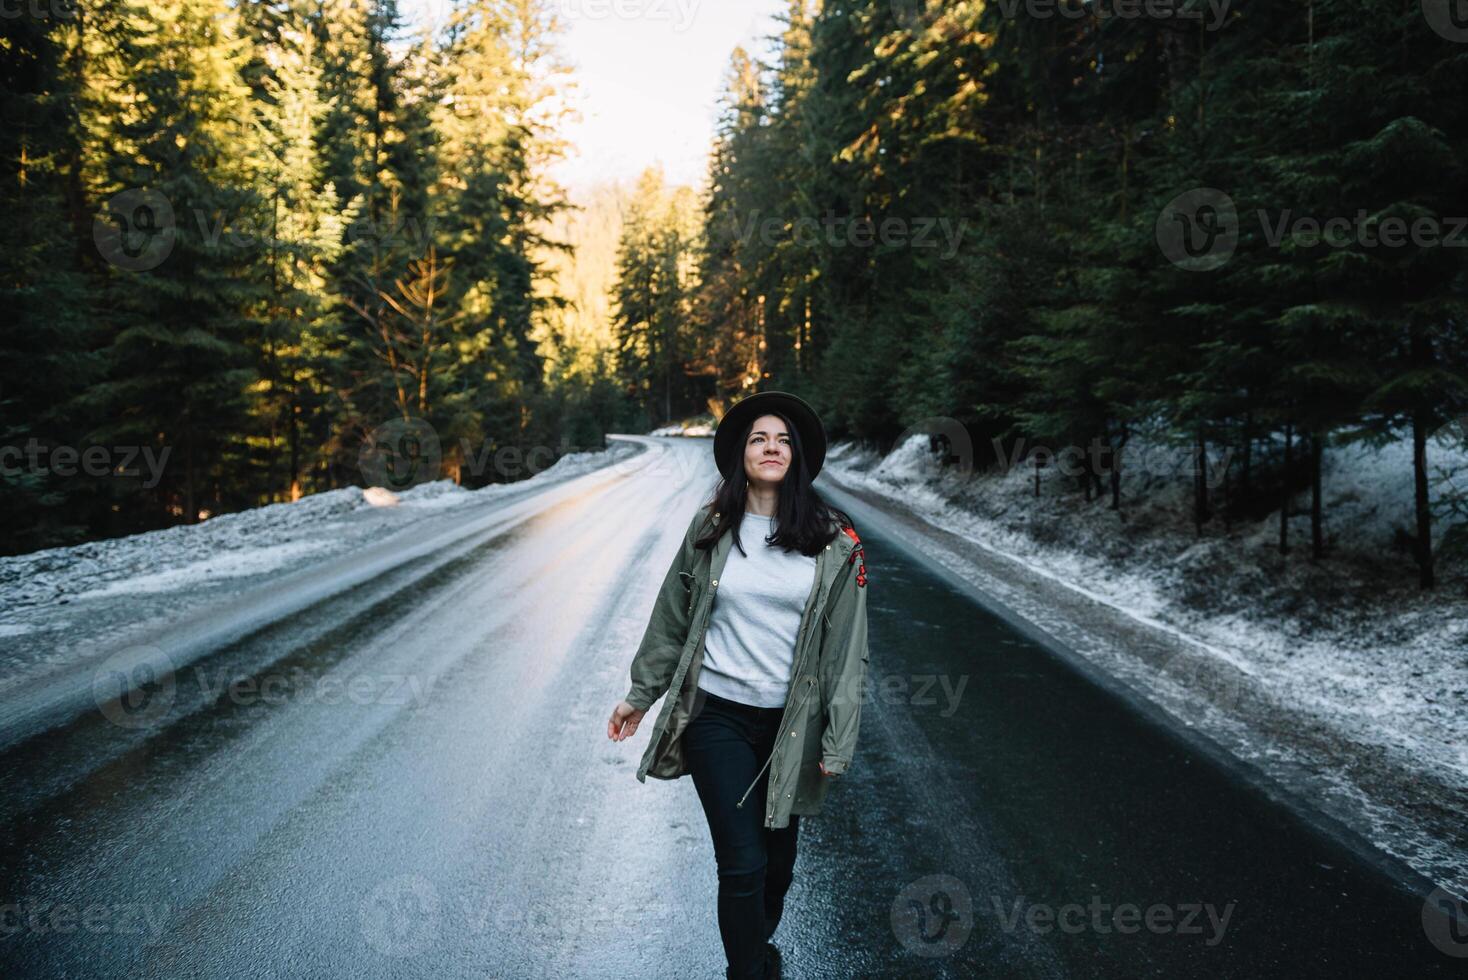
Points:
(684, 429)
(1352, 636)
(242, 544)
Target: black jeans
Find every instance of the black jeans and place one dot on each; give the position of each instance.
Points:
(725, 744)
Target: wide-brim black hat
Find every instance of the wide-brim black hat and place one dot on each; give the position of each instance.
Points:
(728, 437)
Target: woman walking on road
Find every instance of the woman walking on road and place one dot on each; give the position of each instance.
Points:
(766, 681)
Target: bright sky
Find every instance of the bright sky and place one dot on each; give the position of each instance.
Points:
(649, 74)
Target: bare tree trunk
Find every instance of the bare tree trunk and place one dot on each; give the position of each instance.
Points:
(1200, 486)
(1317, 536)
(191, 513)
(1116, 457)
(1425, 577)
(1248, 454)
(1226, 503)
(1284, 503)
(293, 435)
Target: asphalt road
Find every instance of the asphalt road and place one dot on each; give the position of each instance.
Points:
(413, 779)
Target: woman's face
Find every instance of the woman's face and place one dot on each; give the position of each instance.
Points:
(767, 453)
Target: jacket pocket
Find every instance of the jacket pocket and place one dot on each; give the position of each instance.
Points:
(690, 587)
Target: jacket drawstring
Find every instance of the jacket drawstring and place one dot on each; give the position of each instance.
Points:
(740, 805)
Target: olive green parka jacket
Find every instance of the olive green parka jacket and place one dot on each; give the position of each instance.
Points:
(823, 709)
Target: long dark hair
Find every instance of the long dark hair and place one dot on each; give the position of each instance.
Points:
(803, 521)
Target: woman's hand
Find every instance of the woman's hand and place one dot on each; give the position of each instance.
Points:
(623, 723)
(825, 772)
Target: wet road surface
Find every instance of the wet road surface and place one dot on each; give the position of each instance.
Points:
(413, 779)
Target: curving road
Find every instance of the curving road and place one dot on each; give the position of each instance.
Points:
(411, 778)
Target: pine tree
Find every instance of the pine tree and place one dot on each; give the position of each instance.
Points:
(183, 248)
(497, 126)
(44, 289)
(656, 264)
(727, 307)
(306, 230)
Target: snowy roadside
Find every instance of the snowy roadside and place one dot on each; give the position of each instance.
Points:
(56, 605)
(1342, 682)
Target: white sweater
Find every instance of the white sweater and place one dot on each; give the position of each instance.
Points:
(749, 645)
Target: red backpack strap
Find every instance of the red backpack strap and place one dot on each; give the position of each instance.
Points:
(858, 555)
